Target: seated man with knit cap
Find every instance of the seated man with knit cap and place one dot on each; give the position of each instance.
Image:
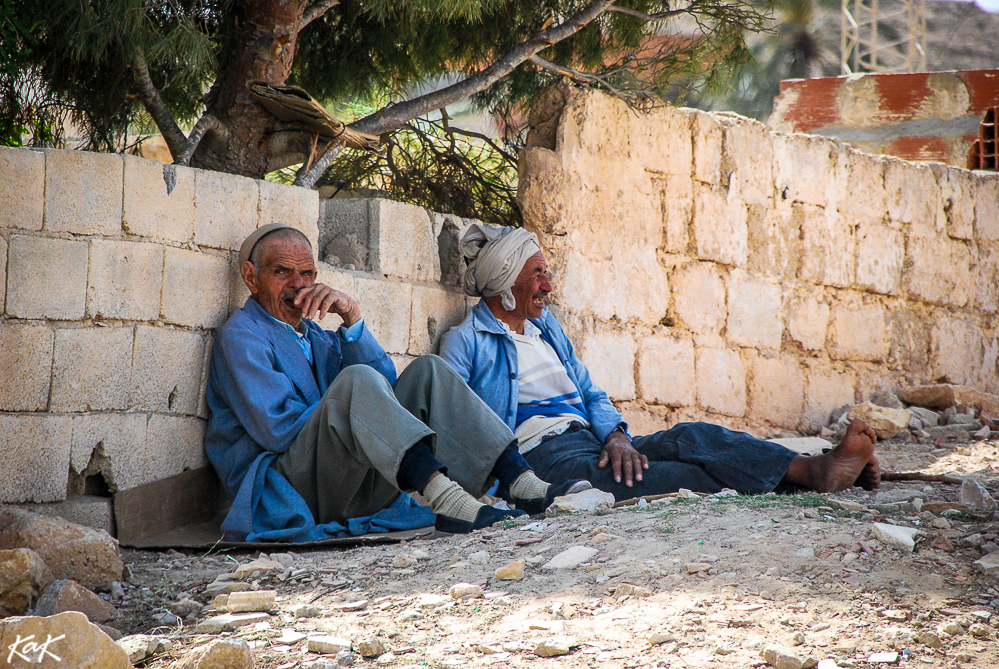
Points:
(314, 436)
(516, 357)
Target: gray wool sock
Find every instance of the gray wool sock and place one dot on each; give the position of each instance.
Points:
(529, 486)
(447, 498)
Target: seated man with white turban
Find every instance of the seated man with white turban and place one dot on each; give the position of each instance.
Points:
(312, 434)
(515, 356)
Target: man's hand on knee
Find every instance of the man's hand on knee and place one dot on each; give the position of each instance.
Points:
(623, 458)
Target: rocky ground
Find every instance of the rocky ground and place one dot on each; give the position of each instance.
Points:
(679, 582)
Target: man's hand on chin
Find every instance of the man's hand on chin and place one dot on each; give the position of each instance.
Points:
(623, 458)
(321, 299)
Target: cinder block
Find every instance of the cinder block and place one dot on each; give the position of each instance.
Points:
(386, 308)
(910, 339)
(858, 332)
(176, 445)
(92, 370)
(911, 193)
(238, 292)
(828, 389)
(864, 190)
(957, 201)
(699, 297)
(126, 279)
(291, 205)
(35, 448)
(83, 192)
(591, 283)
(720, 227)
(987, 207)
(666, 370)
(3, 274)
(677, 199)
(802, 168)
(721, 381)
(774, 239)
(749, 160)
(956, 347)
(880, 252)
(610, 357)
(707, 150)
(777, 392)
(667, 133)
(434, 312)
(986, 287)
(807, 318)
(828, 248)
(114, 445)
(26, 358)
(226, 209)
(22, 188)
(452, 229)
(403, 243)
(345, 233)
(31, 291)
(86, 510)
(158, 200)
(195, 288)
(937, 268)
(754, 312)
(166, 370)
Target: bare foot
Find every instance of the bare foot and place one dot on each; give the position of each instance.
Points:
(850, 463)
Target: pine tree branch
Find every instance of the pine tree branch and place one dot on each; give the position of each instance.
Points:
(309, 179)
(149, 95)
(394, 116)
(206, 123)
(576, 75)
(316, 10)
(658, 16)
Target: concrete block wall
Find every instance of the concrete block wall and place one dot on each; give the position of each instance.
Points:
(115, 272)
(710, 268)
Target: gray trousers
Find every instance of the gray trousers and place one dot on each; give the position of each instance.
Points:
(345, 461)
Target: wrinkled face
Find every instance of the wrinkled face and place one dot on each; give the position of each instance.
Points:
(532, 287)
(286, 267)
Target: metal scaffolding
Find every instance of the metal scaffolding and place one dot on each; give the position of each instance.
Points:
(883, 36)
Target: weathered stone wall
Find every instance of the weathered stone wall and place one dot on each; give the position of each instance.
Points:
(112, 287)
(707, 267)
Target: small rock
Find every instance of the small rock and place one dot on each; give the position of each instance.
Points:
(625, 589)
(952, 629)
(219, 654)
(410, 615)
(978, 629)
(953, 433)
(694, 567)
(554, 646)
(371, 647)
(797, 639)
(989, 564)
(77, 642)
(808, 552)
(479, 557)
(420, 555)
(885, 422)
(848, 505)
(289, 637)
(23, 578)
(228, 622)
(257, 568)
(660, 638)
(328, 645)
(972, 540)
(721, 650)
(883, 658)
(571, 557)
(251, 601)
(684, 493)
(589, 501)
(511, 572)
(431, 601)
(68, 595)
(345, 659)
(186, 608)
(927, 417)
(983, 433)
(304, 611)
(893, 535)
(929, 639)
(785, 658)
(941, 524)
(403, 561)
(964, 657)
(465, 591)
(141, 646)
(976, 497)
(356, 605)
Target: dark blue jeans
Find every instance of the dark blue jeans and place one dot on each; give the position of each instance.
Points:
(697, 456)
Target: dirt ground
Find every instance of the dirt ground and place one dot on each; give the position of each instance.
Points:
(728, 577)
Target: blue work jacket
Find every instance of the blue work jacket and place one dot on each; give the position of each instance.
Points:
(485, 356)
(261, 392)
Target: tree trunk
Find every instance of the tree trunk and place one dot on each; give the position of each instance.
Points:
(263, 42)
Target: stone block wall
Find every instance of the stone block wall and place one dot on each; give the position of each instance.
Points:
(115, 273)
(709, 268)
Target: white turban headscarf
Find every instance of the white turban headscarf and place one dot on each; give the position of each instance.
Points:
(495, 257)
